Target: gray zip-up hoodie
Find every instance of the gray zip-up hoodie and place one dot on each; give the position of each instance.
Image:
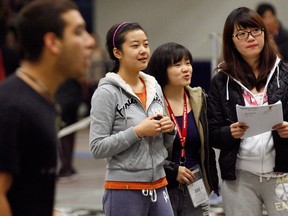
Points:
(115, 111)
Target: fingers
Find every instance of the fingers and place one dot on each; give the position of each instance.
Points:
(238, 129)
(155, 124)
(282, 129)
(185, 176)
(166, 124)
(152, 117)
(281, 126)
(185, 180)
(241, 125)
(148, 127)
(283, 134)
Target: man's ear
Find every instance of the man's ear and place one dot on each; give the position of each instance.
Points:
(117, 53)
(52, 43)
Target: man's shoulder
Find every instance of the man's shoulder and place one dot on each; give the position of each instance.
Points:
(10, 82)
(8, 89)
(15, 94)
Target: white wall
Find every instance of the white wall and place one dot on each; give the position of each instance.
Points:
(188, 22)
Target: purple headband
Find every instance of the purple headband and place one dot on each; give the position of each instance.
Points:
(115, 32)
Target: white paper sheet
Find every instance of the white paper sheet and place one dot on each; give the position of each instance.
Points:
(260, 119)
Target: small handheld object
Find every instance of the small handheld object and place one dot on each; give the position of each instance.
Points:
(158, 118)
(197, 190)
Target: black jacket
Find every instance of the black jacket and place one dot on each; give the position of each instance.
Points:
(222, 108)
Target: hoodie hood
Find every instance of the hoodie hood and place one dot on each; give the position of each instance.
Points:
(276, 66)
(114, 79)
(115, 111)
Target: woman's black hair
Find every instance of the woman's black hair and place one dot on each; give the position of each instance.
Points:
(234, 64)
(115, 37)
(165, 56)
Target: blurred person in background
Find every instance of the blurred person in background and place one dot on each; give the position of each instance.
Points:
(280, 34)
(100, 65)
(56, 46)
(69, 97)
(11, 51)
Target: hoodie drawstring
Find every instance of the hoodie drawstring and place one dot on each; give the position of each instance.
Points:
(151, 193)
(121, 95)
(278, 83)
(227, 89)
(277, 78)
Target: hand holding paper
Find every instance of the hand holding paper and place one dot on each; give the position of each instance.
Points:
(260, 119)
(282, 129)
(237, 129)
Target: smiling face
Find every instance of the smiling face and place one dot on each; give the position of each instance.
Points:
(135, 52)
(180, 73)
(251, 47)
(76, 46)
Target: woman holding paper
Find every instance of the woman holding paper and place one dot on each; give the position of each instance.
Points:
(251, 74)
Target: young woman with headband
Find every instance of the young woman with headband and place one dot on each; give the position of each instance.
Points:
(129, 129)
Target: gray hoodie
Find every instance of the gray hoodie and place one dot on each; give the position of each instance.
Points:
(115, 111)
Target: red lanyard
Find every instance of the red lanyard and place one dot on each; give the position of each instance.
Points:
(181, 133)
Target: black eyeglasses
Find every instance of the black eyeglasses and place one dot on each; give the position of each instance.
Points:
(243, 35)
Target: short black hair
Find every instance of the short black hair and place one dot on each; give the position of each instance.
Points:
(38, 18)
(165, 56)
(262, 8)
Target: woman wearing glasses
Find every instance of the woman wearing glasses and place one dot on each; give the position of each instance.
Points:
(254, 169)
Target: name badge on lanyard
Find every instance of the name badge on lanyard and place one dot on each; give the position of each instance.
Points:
(197, 190)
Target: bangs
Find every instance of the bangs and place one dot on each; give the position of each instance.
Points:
(244, 20)
(179, 54)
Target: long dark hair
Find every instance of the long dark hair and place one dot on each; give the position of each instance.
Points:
(234, 64)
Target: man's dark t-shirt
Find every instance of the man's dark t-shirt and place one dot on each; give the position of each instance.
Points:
(28, 150)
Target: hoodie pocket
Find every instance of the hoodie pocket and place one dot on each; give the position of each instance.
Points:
(136, 157)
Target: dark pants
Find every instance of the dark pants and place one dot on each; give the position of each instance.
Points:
(135, 202)
(182, 203)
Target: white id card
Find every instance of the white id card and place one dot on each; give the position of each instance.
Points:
(197, 189)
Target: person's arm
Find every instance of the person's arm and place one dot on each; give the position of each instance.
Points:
(103, 143)
(219, 127)
(5, 183)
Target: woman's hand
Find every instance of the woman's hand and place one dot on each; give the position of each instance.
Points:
(238, 129)
(282, 129)
(185, 176)
(148, 127)
(167, 126)
(154, 125)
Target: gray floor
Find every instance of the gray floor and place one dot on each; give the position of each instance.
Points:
(83, 196)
